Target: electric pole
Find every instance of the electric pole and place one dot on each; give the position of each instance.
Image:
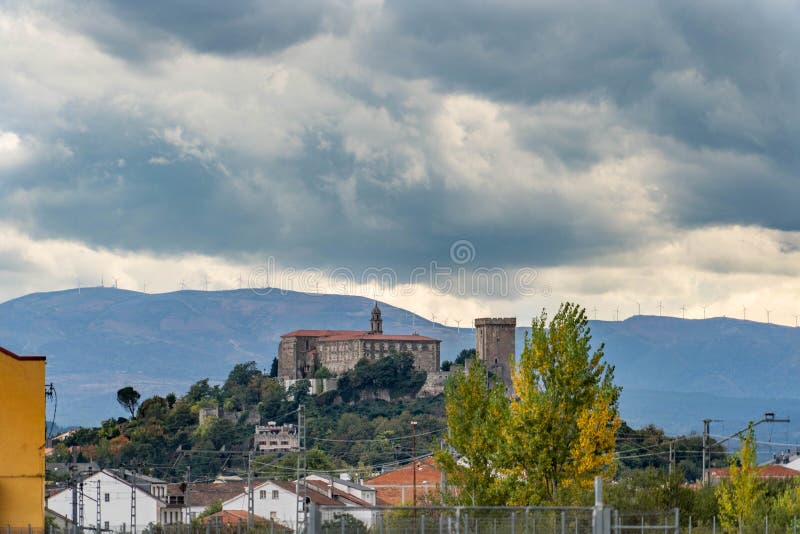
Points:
(250, 502)
(300, 488)
(769, 417)
(414, 467)
(186, 497)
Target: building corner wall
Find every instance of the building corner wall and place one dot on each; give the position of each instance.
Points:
(22, 408)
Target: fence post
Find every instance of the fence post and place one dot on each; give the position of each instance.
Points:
(422, 525)
(563, 522)
(513, 522)
(740, 524)
(458, 519)
(677, 520)
(714, 525)
(766, 524)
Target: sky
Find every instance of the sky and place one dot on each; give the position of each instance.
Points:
(459, 159)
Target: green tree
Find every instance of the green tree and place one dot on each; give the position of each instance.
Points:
(743, 495)
(128, 398)
(476, 415)
(273, 369)
(564, 416)
(465, 355)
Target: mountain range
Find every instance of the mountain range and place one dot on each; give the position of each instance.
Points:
(674, 372)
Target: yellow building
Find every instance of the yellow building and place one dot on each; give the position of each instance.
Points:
(22, 440)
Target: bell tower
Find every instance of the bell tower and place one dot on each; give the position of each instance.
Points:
(376, 322)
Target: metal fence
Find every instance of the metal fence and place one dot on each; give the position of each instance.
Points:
(630, 522)
(8, 529)
(458, 520)
(782, 525)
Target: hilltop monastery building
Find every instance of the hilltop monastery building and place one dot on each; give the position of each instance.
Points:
(302, 351)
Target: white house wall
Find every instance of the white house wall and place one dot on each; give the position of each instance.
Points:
(283, 509)
(116, 511)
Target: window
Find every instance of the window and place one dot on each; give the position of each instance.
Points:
(107, 497)
(262, 494)
(105, 523)
(275, 495)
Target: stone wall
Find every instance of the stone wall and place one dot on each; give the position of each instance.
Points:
(434, 384)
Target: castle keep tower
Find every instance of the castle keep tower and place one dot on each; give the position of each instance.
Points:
(495, 343)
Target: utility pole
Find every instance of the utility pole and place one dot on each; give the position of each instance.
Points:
(186, 496)
(769, 417)
(414, 468)
(301, 488)
(671, 456)
(80, 505)
(97, 509)
(250, 502)
(74, 482)
(133, 501)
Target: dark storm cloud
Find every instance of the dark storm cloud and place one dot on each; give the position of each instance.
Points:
(137, 30)
(714, 91)
(717, 76)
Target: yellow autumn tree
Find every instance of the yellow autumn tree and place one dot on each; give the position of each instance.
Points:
(564, 414)
(477, 412)
(743, 496)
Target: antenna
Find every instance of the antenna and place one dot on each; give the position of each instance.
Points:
(768, 311)
(683, 311)
(79, 286)
(704, 311)
(182, 285)
(617, 313)
(205, 282)
(458, 326)
(639, 308)
(795, 320)
(115, 283)
(595, 313)
(433, 320)
(744, 313)
(239, 280)
(144, 287)
(659, 308)
(102, 282)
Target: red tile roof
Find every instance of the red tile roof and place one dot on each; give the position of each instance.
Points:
(348, 335)
(319, 333)
(766, 471)
(396, 487)
(231, 516)
(205, 493)
(326, 486)
(377, 337)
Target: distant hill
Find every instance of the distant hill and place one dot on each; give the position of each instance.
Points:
(675, 372)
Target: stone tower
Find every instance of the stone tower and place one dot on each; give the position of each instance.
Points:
(495, 343)
(376, 323)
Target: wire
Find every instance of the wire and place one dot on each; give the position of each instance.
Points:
(379, 439)
(51, 392)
